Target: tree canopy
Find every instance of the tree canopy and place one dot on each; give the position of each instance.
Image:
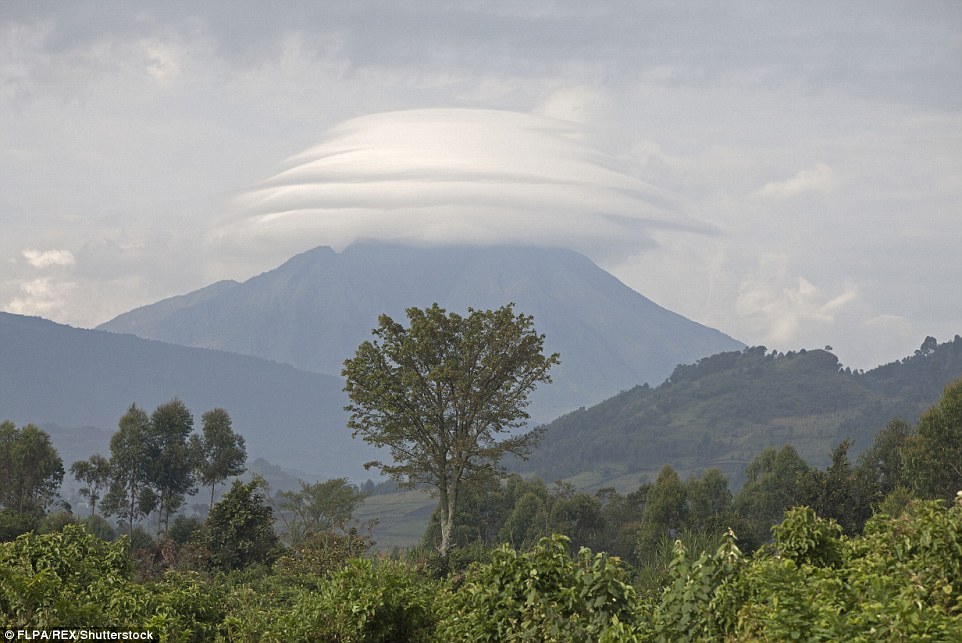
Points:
(30, 469)
(218, 452)
(444, 395)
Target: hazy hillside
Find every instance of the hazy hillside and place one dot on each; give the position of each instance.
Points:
(723, 410)
(314, 310)
(71, 378)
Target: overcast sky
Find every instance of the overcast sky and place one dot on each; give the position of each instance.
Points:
(790, 173)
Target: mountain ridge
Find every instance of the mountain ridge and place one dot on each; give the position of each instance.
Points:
(74, 378)
(313, 310)
(723, 410)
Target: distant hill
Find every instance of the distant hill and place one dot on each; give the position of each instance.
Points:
(723, 410)
(314, 310)
(78, 383)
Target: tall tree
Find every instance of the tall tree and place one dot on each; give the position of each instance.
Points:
(30, 469)
(709, 501)
(171, 467)
(441, 392)
(773, 483)
(219, 452)
(130, 496)
(933, 456)
(94, 474)
(838, 493)
(880, 468)
(666, 513)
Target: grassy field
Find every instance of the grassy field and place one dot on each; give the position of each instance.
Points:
(401, 517)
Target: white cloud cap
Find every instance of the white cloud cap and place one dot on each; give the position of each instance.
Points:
(454, 176)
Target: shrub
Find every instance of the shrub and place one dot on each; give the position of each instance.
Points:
(68, 578)
(365, 601)
(543, 595)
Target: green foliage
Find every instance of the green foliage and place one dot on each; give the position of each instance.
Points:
(880, 468)
(218, 452)
(13, 523)
(541, 595)
(808, 539)
(666, 513)
(899, 581)
(365, 601)
(240, 528)
(322, 552)
(773, 483)
(129, 496)
(840, 492)
(721, 411)
(94, 474)
(933, 456)
(318, 507)
(170, 467)
(443, 394)
(99, 527)
(67, 579)
(686, 608)
(527, 522)
(30, 469)
(184, 529)
(186, 607)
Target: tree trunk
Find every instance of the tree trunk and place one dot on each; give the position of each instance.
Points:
(448, 503)
(445, 536)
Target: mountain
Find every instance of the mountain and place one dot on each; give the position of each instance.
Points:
(723, 410)
(78, 383)
(314, 310)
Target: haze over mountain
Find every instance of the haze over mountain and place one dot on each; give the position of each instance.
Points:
(314, 310)
(73, 378)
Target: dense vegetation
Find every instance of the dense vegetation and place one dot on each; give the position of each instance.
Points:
(720, 411)
(869, 549)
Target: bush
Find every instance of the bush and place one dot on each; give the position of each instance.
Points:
(240, 529)
(541, 595)
(13, 523)
(185, 607)
(900, 581)
(321, 553)
(66, 579)
(365, 601)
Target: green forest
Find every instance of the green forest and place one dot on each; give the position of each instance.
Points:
(859, 547)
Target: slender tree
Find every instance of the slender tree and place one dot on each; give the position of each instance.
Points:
(219, 453)
(441, 392)
(130, 496)
(774, 482)
(94, 474)
(171, 470)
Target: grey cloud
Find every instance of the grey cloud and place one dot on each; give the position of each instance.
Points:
(907, 52)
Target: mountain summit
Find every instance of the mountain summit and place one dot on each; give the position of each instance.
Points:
(314, 310)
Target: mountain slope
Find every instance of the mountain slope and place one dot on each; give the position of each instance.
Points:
(726, 408)
(313, 311)
(58, 375)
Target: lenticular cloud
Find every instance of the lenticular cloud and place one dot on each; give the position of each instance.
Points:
(452, 176)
